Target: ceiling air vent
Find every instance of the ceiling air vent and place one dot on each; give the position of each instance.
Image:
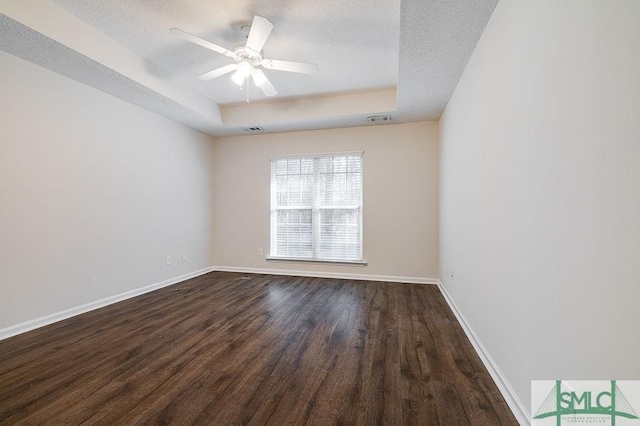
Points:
(253, 129)
(379, 118)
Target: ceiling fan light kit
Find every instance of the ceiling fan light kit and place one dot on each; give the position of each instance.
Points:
(249, 58)
(243, 71)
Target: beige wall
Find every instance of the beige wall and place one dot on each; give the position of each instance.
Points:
(400, 197)
(540, 191)
(94, 194)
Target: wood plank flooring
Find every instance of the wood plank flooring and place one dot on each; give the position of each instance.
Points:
(230, 349)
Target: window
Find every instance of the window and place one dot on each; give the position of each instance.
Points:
(316, 207)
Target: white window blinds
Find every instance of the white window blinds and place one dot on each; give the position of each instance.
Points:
(316, 207)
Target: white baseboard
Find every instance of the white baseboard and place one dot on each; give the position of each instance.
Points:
(517, 407)
(68, 313)
(321, 274)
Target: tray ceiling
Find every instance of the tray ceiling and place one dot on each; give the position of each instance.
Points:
(384, 56)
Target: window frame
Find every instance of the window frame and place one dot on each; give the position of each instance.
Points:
(316, 209)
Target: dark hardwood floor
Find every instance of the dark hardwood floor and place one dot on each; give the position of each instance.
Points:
(229, 348)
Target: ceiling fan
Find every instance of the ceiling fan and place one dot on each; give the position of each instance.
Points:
(249, 58)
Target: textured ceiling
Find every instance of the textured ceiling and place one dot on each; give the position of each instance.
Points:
(355, 43)
(415, 48)
(22, 41)
(437, 39)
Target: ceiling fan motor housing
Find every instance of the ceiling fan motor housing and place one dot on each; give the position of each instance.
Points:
(244, 54)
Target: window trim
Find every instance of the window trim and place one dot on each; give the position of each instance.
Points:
(360, 208)
(317, 154)
(314, 260)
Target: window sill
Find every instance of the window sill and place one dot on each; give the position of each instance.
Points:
(334, 262)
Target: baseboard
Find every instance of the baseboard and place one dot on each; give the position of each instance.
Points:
(68, 313)
(517, 407)
(321, 274)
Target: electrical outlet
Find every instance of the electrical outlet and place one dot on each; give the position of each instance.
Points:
(184, 257)
(168, 260)
(259, 252)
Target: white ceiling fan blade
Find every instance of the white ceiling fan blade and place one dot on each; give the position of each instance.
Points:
(260, 30)
(291, 66)
(204, 43)
(263, 83)
(218, 72)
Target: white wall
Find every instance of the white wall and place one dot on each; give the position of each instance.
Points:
(400, 197)
(94, 194)
(540, 190)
